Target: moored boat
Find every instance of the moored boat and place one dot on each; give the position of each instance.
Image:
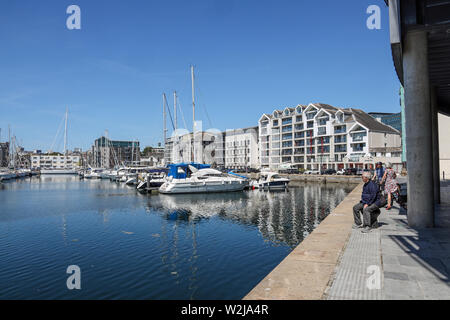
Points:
(197, 178)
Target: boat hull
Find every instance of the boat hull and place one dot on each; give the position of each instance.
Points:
(200, 187)
(59, 171)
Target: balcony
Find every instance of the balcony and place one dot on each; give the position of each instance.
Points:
(340, 139)
(311, 115)
(322, 131)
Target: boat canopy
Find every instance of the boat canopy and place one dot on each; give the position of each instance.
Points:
(237, 175)
(181, 170)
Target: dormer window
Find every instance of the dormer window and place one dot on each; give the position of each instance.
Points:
(286, 112)
(275, 114)
(298, 109)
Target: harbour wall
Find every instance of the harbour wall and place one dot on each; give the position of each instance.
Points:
(315, 178)
(307, 271)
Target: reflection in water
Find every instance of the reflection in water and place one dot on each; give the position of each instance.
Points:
(134, 246)
(284, 217)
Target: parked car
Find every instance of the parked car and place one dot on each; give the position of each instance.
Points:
(288, 171)
(340, 172)
(311, 172)
(359, 172)
(351, 171)
(328, 171)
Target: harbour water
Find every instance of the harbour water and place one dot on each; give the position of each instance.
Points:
(134, 246)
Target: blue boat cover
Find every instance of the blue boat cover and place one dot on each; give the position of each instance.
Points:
(237, 175)
(176, 174)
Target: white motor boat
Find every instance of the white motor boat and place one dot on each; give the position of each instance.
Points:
(203, 181)
(94, 173)
(272, 181)
(152, 180)
(6, 174)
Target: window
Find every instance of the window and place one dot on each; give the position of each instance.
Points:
(287, 121)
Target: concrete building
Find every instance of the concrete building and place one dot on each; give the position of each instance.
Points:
(241, 148)
(205, 147)
(4, 154)
(108, 153)
(420, 48)
(319, 136)
(55, 161)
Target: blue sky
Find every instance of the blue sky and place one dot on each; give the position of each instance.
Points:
(251, 56)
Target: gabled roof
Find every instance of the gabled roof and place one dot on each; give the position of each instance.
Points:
(371, 123)
(327, 107)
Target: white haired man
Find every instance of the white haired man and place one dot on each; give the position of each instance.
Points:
(369, 205)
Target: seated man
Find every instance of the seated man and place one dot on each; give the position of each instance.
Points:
(368, 206)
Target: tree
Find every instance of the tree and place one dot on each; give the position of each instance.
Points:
(147, 151)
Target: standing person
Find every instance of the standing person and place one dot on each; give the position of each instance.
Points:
(389, 178)
(368, 206)
(379, 172)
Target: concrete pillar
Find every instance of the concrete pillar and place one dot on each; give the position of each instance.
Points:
(435, 141)
(419, 151)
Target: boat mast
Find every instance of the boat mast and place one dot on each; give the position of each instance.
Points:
(193, 114)
(175, 109)
(65, 134)
(164, 119)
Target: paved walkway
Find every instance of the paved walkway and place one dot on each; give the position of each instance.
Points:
(393, 262)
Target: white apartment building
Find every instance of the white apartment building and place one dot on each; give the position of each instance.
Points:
(241, 148)
(44, 161)
(319, 136)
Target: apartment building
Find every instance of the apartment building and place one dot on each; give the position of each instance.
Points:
(55, 161)
(108, 153)
(319, 136)
(241, 148)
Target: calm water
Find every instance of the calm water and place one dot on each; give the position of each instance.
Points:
(134, 246)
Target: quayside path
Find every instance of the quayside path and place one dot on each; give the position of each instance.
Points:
(393, 261)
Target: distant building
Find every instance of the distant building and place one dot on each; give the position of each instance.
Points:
(241, 148)
(4, 152)
(205, 147)
(109, 153)
(55, 161)
(319, 136)
(391, 119)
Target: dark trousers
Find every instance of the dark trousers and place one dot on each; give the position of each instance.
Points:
(370, 214)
